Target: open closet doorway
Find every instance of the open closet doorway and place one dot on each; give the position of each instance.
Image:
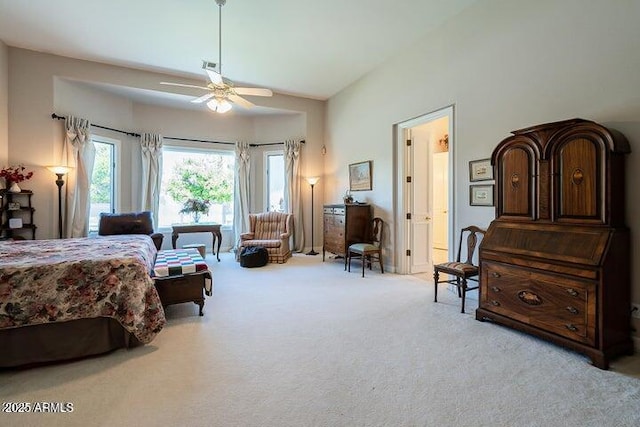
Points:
(425, 182)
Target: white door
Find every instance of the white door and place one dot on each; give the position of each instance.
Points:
(425, 208)
(420, 205)
(440, 168)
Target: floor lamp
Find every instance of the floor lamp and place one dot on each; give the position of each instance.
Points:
(60, 171)
(312, 181)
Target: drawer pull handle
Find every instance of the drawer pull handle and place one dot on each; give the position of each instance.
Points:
(571, 327)
(572, 292)
(495, 289)
(494, 302)
(494, 274)
(572, 310)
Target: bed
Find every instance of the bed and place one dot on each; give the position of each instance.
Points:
(72, 298)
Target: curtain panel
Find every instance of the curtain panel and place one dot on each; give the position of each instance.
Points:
(292, 199)
(151, 151)
(241, 203)
(79, 152)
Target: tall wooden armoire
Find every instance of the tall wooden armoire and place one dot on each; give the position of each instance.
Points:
(555, 261)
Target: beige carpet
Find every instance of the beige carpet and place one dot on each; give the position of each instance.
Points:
(307, 344)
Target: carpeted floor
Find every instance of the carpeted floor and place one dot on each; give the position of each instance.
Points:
(307, 344)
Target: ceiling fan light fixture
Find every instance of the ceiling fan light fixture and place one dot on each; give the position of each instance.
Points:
(219, 105)
(221, 93)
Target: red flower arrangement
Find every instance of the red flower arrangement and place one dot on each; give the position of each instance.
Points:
(15, 174)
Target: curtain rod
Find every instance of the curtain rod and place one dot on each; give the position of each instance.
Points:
(55, 116)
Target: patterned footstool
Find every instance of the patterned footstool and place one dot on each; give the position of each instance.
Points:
(182, 275)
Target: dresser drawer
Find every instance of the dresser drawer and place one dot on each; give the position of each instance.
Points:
(334, 246)
(551, 302)
(334, 211)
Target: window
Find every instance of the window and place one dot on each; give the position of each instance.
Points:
(103, 179)
(197, 186)
(274, 167)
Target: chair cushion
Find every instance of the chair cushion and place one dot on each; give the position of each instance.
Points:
(263, 243)
(363, 247)
(459, 268)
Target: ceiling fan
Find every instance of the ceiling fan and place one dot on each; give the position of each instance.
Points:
(221, 91)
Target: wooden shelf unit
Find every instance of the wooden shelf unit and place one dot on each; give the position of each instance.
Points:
(24, 212)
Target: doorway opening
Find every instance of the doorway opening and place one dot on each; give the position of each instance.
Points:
(425, 182)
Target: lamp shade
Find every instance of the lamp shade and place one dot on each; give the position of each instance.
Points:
(313, 180)
(59, 170)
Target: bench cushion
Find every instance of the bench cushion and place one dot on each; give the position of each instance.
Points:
(175, 262)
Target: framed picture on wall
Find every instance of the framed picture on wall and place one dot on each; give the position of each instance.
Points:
(480, 170)
(360, 176)
(481, 195)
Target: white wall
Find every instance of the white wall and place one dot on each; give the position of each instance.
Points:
(505, 65)
(4, 104)
(40, 84)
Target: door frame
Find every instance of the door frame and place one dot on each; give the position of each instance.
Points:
(402, 188)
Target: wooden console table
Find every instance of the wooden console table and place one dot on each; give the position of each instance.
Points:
(214, 229)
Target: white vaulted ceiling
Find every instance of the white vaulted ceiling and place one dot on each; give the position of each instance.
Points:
(305, 48)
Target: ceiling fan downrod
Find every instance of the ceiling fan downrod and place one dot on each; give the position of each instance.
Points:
(220, 3)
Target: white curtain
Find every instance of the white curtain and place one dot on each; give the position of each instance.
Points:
(80, 155)
(241, 203)
(292, 200)
(151, 146)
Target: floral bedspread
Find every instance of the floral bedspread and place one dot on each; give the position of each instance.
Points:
(45, 281)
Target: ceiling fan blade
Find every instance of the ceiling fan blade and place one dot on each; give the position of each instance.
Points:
(214, 76)
(203, 98)
(240, 101)
(183, 85)
(254, 91)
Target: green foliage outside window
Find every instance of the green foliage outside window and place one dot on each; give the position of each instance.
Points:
(208, 181)
(101, 178)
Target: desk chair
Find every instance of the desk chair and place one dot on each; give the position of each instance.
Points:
(368, 251)
(462, 271)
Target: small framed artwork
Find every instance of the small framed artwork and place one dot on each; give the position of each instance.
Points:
(480, 170)
(481, 195)
(360, 176)
(13, 206)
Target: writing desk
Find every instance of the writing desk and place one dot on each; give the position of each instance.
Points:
(212, 228)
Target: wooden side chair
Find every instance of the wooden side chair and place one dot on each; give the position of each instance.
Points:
(462, 271)
(368, 251)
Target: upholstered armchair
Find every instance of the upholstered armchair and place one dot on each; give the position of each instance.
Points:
(270, 230)
(129, 223)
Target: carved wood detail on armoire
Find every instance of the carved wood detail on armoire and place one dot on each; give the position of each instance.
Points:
(555, 262)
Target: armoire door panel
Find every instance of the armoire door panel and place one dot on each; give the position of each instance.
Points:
(578, 186)
(516, 179)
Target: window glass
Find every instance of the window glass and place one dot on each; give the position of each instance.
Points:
(102, 189)
(197, 187)
(275, 182)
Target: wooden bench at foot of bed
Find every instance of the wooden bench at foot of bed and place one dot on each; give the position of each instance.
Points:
(182, 275)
